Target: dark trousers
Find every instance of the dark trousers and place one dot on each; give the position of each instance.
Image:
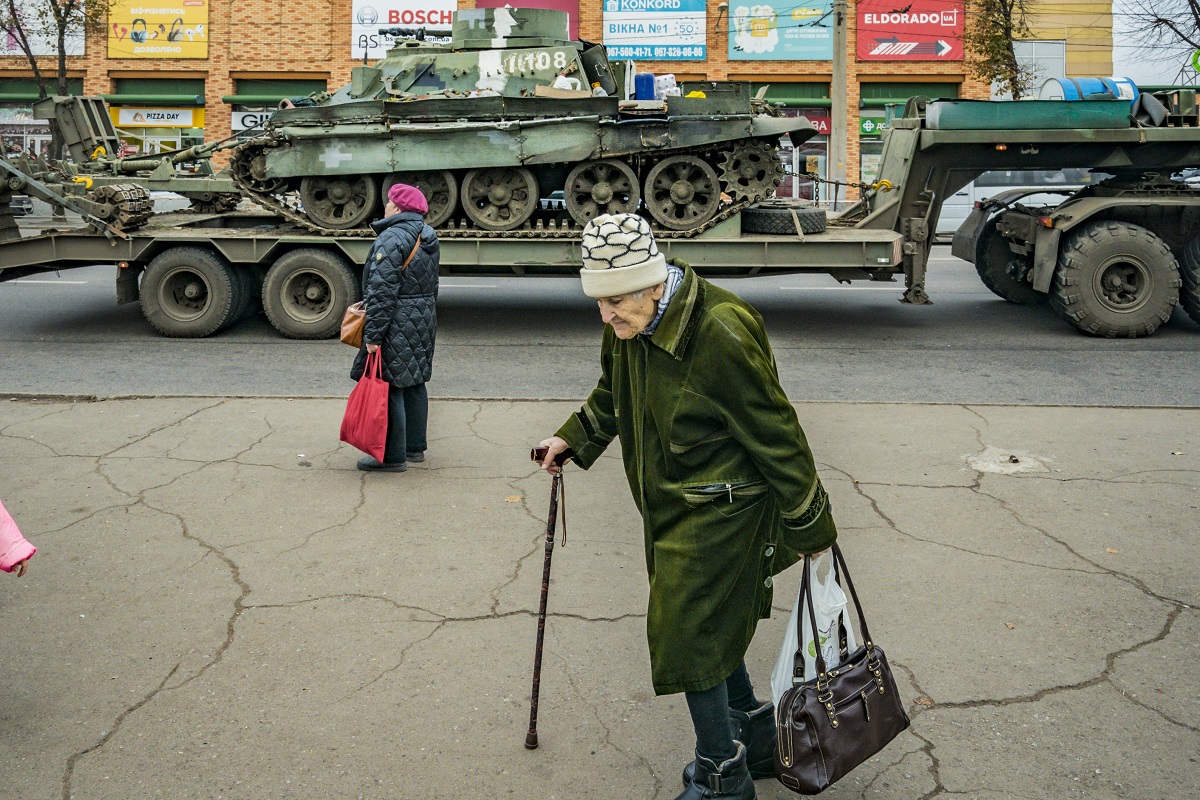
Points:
(408, 418)
(710, 713)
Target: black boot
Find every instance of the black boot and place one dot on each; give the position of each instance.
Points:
(757, 730)
(729, 780)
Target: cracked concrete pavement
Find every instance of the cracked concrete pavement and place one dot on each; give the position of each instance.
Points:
(223, 607)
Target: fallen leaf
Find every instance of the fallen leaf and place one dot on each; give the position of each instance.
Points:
(513, 498)
(1010, 626)
(1110, 550)
(923, 701)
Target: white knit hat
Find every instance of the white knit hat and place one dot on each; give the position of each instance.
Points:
(620, 256)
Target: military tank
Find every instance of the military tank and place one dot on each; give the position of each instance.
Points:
(504, 115)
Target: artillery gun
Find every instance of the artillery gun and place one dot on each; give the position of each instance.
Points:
(508, 112)
(96, 172)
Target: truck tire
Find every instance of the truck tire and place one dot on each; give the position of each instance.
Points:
(1189, 269)
(189, 292)
(306, 293)
(1115, 279)
(767, 219)
(992, 259)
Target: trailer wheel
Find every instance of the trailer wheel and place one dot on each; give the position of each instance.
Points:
(1115, 279)
(766, 219)
(1189, 269)
(996, 264)
(189, 292)
(306, 292)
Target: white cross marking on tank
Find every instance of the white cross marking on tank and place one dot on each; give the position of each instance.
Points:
(333, 156)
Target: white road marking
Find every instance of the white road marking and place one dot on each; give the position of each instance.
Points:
(897, 288)
(75, 283)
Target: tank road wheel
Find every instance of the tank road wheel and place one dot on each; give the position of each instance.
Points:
(605, 186)
(1189, 268)
(1004, 272)
(439, 187)
(306, 292)
(500, 199)
(751, 170)
(682, 192)
(1115, 279)
(189, 292)
(339, 202)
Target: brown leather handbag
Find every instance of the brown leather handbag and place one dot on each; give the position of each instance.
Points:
(830, 725)
(355, 317)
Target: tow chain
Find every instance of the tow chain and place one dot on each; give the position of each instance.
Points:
(877, 186)
(567, 230)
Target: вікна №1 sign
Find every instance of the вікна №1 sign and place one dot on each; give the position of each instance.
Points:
(655, 30)
(780, 30)
(175, 29)
(920, 30)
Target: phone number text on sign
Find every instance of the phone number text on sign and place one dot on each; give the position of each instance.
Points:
(658, 30)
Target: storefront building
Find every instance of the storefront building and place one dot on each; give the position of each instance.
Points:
(181, 73)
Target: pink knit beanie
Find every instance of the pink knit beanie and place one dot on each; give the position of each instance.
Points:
(408, 198)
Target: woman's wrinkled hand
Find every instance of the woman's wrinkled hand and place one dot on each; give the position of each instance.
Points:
(371, 348)
(554, 445)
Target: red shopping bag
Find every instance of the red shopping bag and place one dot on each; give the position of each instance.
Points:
(365, 423)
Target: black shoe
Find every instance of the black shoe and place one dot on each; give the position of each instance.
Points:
(368, 464)
(415, 456)
(729, 780)
(757, 730)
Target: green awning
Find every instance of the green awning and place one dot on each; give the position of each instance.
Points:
(25, 90)
(269, 92)
(154, 99)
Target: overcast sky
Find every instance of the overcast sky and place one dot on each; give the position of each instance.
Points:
(1137, 61)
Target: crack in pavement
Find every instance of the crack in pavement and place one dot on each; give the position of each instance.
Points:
(354, 512)
(120, 719)
(879, 512)
(595, 709)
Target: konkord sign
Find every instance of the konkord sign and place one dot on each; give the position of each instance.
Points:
(917, 30)
(435, 16)
(655, 30)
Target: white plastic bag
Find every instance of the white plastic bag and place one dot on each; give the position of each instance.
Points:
(829, 603)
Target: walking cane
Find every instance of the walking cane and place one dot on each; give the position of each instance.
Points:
(556, 490)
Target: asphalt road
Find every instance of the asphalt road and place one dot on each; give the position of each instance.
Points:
(538, 338)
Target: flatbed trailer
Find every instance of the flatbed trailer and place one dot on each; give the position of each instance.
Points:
(195, 274)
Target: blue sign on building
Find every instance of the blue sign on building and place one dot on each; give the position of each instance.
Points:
(655, 30)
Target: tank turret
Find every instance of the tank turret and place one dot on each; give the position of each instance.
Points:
(510, 111)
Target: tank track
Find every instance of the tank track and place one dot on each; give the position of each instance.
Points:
(531, 230)
(124, 206)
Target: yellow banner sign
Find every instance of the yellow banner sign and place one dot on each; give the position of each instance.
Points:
(171, 29)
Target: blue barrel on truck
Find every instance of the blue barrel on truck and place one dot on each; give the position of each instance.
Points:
(1083, 88)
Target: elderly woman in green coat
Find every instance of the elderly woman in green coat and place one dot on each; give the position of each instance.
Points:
(719, 469)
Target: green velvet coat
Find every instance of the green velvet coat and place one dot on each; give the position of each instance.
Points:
(719, 469)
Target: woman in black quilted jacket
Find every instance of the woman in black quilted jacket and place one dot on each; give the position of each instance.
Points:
(401, 319)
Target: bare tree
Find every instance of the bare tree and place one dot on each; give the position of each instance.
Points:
(992, 27)
(47, 32)
(1168, 30)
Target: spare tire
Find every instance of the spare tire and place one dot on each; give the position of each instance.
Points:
(774, 219)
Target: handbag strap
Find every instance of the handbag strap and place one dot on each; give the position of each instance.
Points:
(806, 597)
(413, 253)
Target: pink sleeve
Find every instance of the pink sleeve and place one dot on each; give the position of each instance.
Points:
(13, 547)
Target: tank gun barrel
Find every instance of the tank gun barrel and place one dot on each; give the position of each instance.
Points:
(404, 33)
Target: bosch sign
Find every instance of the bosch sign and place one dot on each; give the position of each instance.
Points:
(368, 16)
(408, 16)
